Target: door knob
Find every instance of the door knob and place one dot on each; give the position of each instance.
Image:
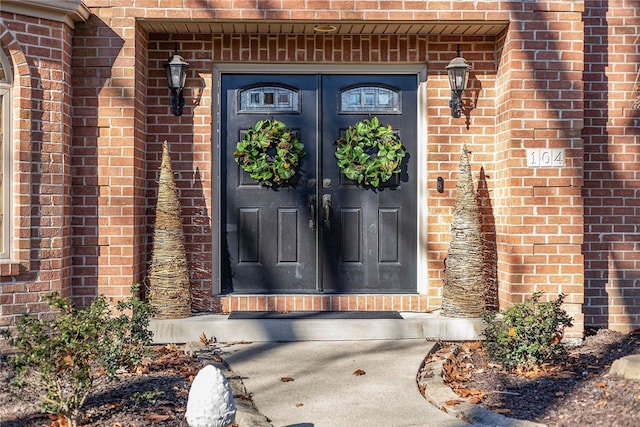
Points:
(326, 208)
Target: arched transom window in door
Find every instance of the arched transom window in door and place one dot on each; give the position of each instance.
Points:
(370, 99)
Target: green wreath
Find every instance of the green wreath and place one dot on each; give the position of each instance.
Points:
(358, 159)
(269, 153)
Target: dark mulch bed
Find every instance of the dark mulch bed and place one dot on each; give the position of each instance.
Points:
(577, 392)
(156, 395)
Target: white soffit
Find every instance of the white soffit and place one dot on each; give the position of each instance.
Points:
(464, 28)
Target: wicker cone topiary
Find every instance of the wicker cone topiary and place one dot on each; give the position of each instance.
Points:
(489, 244)
(463, 293)
(169, 274)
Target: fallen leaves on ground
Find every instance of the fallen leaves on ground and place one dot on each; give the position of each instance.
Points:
(458, 369)
(58, 420)
(579, 388)
(172, 359)
(207, 341)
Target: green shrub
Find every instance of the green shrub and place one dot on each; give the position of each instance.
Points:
(528, 334)
(68, 352)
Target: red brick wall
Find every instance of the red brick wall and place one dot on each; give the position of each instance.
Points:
(39, 50)
(526, 92)
(109, 167)
(446, 136)
(189, 138)
(444, 140)
(529, 96)
(612, 167)
(540, 101)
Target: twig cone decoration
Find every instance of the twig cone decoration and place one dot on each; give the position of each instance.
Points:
(169, 274)
(463, 293)
(489, 251)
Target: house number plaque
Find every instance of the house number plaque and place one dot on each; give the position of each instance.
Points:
(545, 157)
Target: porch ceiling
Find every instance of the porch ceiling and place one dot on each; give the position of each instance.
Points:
(464, 28)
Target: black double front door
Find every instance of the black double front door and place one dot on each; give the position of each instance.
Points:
(323, 233)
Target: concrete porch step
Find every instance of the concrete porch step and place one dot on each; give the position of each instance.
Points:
(412, 325)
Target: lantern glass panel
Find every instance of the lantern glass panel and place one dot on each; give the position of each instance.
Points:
(173, 76)
(176, 70)
(458, 78)
(183, 75)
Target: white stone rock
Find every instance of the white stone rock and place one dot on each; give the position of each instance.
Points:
(210, 401)
(627, 366)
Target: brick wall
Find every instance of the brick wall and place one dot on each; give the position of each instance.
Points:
(538, 210)
(41, 237)
(109, 150)
(189, 137)
(612, 169)
(444, 140)
(535, 252)
(526, 92)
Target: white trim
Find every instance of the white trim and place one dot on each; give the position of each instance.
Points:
(6, 146)
(421, 108)
(216, 155)
(67, 11)
(423, 191)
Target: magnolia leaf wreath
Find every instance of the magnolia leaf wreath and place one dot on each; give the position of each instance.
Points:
(369, 153)
(269, 153)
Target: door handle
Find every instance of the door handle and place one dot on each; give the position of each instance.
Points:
(326, 208)
(312, 212)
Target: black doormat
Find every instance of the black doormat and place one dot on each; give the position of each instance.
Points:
(236, 315)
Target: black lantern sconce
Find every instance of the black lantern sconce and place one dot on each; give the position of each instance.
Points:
(458, 71)
(176, 76)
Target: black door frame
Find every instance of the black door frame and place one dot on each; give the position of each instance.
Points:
(238, 68)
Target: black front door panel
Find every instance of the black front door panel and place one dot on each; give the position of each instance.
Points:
(324, 232)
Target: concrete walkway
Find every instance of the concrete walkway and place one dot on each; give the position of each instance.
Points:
(312, 383)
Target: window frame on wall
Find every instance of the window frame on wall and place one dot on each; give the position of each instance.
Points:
(6, 170)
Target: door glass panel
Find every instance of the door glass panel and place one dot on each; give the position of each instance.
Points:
(269, 99)
(370, 99)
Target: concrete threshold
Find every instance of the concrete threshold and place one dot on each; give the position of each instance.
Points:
(430, 326)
